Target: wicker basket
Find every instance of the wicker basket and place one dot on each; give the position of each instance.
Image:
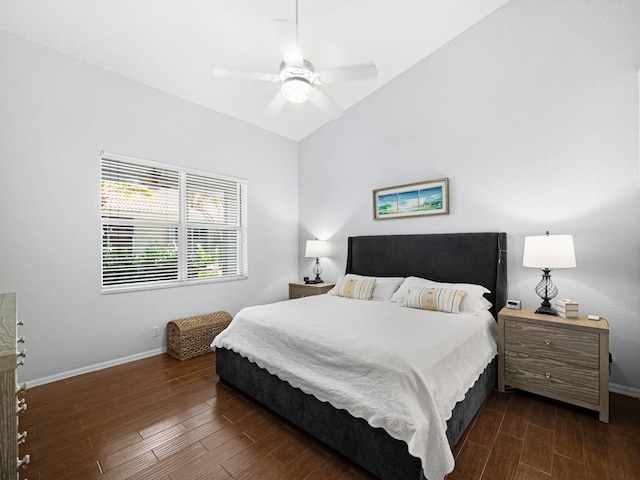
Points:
(190, 337)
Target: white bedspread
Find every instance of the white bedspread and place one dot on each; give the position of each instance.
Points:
(399, 368)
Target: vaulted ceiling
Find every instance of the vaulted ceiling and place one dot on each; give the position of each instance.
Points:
(173, 45)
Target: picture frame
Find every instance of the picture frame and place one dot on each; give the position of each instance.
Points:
(412, 200)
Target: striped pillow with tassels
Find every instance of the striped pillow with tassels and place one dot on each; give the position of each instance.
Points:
(439, 299)
(361, 289)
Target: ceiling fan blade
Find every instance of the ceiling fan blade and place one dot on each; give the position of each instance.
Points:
(276, 105)
(362, 71)
(324, 103)
(244, 75)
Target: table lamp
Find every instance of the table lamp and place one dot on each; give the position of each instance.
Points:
(548, 252)
(317, 248)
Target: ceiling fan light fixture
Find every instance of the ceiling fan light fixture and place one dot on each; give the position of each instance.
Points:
(297, 90)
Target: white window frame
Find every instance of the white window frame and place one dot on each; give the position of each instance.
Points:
(235, 262)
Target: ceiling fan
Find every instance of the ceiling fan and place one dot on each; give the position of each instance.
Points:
(299, 80)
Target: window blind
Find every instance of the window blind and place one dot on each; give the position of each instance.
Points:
(164, 226)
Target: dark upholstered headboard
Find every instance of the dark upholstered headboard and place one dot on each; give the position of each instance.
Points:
(479, 258)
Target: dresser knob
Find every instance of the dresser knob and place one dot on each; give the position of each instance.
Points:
(547, 342)
(24, 461)
(547, 375)
(22, 438)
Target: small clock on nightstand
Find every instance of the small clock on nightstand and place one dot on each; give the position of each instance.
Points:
(301, 289)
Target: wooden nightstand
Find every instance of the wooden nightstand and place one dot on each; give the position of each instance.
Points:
(301, 289)
(564, 359)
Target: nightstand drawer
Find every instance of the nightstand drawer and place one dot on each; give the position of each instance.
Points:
(575, 347)
(552, 378)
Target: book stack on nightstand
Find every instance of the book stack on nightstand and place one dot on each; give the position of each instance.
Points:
(567, 308)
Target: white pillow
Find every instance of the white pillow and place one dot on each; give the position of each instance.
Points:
(384, 288)
(473, 302)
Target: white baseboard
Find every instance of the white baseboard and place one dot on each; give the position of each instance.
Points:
(96, 367)
(621, 389)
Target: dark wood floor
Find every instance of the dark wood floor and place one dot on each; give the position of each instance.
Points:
(162, 419)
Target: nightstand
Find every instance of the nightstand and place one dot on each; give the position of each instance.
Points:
(301, 289)
(560, 358)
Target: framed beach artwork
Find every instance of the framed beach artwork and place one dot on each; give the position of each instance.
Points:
(412, 200)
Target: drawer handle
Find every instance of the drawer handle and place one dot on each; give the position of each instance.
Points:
(547, 342)
(24, 461)
(21, 406)
(547, 375)
(22, 438)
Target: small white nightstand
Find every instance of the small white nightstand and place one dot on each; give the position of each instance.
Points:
(560, 358)
(301, 289)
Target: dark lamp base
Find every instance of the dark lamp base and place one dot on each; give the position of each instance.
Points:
(546, 310)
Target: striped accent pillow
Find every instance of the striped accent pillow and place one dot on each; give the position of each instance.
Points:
(439, 299)
(361, 289)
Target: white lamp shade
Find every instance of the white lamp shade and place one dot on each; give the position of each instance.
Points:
(317, 248)
(549, 251)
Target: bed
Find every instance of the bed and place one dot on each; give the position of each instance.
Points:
(470, 258)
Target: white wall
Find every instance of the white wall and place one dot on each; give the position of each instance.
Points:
(533, 116)
(56, 115)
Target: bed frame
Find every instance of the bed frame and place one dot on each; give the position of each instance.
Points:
(478, 258)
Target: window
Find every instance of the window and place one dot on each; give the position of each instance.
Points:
(165, 226)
